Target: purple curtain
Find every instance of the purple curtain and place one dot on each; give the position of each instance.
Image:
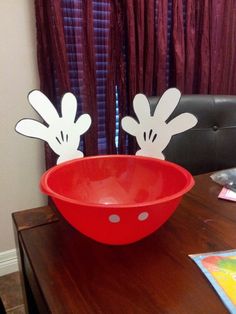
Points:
(107, 51)
(52, 56)
(161, 51)
(187, 44)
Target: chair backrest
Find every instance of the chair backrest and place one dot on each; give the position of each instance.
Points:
(211, 144)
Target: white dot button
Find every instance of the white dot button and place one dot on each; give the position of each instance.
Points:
(114, 218)
(143, 216)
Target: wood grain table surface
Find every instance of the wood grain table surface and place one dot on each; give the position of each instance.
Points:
(66, 272)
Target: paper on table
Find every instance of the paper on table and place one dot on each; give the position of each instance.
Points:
(220, 270)
(227, 194)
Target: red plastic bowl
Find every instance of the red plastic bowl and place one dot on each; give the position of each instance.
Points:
(116, 199)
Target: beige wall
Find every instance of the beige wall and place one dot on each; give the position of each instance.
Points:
(21, 158)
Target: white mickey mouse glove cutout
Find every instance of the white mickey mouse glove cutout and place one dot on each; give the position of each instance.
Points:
(62, 133)
(152, 132)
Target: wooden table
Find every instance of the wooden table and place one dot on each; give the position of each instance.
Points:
(66, 272)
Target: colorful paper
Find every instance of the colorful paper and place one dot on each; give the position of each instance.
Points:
(220, 270)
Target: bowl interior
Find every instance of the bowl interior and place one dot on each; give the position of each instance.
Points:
(116, 180)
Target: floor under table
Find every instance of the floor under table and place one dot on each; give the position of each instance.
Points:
(11, 293)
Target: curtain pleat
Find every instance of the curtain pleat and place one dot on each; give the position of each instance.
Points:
(121, 66)
(204, 62)
(52, 56)
(149, 47)
(190, 46)
(178, 45)
(110, 101)
(140, 25)
(45, 66)
(132, 52)
(216, 33)
(89, 77)
(161, 47)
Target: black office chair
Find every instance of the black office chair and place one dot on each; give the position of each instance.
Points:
(211, 144)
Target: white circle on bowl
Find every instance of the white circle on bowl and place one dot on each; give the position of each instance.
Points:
(114, 218)
(143, 216)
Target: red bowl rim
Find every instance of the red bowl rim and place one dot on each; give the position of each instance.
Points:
(47, 190)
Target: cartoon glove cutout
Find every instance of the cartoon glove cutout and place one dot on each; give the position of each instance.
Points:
(152, 132)
(62, 133)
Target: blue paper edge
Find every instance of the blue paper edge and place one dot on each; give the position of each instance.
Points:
(197, 258)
